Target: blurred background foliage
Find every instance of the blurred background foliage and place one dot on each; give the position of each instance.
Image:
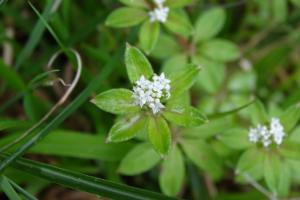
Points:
(261, 61)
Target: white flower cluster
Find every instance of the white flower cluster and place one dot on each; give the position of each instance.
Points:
(160, 13)
(261, 133)
(150, 93)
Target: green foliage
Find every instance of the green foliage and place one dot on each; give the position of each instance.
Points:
(140, 159)
(172, 176)
(125, 17)
(116, 101)
(137, 64)
(209, 24)
(212, 88)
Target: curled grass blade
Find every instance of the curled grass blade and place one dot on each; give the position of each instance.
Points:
(66, 112)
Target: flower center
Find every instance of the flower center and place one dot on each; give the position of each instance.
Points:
(150, 93)
(160, 13)
(266, 136)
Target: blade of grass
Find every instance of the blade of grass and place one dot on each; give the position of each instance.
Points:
(83, 182)
(26, 194)
(37, 32)
(8, 189)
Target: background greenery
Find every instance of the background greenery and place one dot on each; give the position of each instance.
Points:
(247, 49)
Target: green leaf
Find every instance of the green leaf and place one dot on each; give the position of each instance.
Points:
(179, 23)
(139, 159)
(258, 113)
(277, 175)
(116, 101)
(166, 47)
(8, 189)
(159, 134)
(290, 118)
(137, 64)
(285, 178)
(209, 24)
(126, 17)
(127, 128)
(220, 50)
(235, 138)
(187, 78)
(184, 115)
(174, 63)
(149, 35)
(11, 77)
(178, 3)
(202, 155)
(212, 74)
(290, 149)
(251, 163)
(135, 3)
(85, 183)
(173, 172)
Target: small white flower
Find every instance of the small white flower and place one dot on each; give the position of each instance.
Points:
(159, 14)
(266, 136)
(150, 93)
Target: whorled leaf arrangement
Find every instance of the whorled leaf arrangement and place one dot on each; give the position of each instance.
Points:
(150, 104)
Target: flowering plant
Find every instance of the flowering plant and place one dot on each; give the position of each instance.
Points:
(270, 148)
(152, 14)
(152, 101)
